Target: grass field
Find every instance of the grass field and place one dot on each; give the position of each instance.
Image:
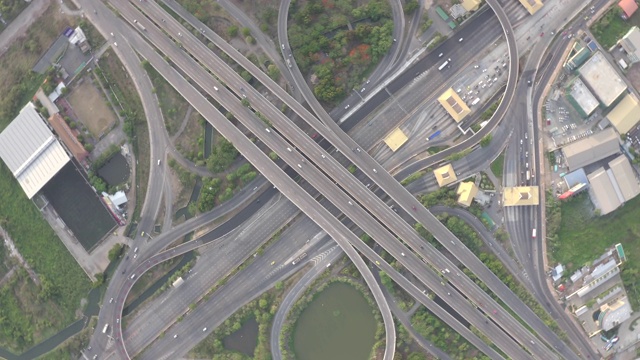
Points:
(497, 166)
(584, 237)
(188, 143)
(91, 108)
(610, 27)
(64, 283)
(173, 105)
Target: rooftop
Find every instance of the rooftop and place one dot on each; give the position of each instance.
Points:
(31, 151)
(625, 115)
(602, 78)
(466, 192)
(603, 193)
(532, 6)
(454, 105)
(396, 139)
(583, 97)
(630, 42)
(471, 5)
(625, 177)
(628, 7)
(591, 149)
(521, 196)
(445, 175)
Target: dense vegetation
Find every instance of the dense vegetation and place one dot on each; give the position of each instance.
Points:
(212, 194)
(63, 283)
(442, 336)
(339, 42)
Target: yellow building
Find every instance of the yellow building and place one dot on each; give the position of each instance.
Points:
(532, 5)
(445, 175)
(471, 5)
(521, 196)
(466, 192)
(396, 139)
(454, 105)
(625, 115)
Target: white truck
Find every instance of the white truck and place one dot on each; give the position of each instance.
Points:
(105, 328)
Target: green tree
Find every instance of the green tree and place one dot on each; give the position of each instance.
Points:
(232, 31)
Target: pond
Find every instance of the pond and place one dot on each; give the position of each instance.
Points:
(338, 324)
(243, 340)
(115, 171)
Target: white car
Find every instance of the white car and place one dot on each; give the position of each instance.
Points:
(460, 40)
(346, 107)
(440, 55)
(204, 329)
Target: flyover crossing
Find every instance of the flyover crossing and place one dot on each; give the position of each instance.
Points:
(304, 137)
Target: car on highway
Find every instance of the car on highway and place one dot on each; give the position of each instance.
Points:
(414, 208)
(440, 55)
(273, 262)
(110, 300)
(460, 40)
(314, 136)
(204, 329)
(175, 336)
(346, 107)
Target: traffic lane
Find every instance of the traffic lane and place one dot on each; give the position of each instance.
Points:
(201, 279)
(239, 83)
(260, 166)
(227, 253)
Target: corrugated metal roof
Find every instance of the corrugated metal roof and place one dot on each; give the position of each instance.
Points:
(603, 191)
(625, 177)
(591, 149)
(30, 150)
(625, 115)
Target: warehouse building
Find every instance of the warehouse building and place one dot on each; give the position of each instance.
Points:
(591, 149)
(31, 151)
(612, 187)
(583, 98)
(625, 115)
(630, 43)
(602, 79)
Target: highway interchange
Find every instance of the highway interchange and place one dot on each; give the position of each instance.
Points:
(318, 179)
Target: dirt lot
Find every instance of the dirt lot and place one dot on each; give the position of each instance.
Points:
(262, 12)
(91, 108)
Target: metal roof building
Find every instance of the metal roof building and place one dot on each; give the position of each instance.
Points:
(625, 177)
(591, 149)
(625, 115)
(532, 6)
(603, 193)
(630, 42)
(466, 192)
(602, 78)
(445, 175)
(583, 98)
(31, 151)
(521, 196)
(454, 105)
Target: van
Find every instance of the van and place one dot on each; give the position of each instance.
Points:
(105, 328)
(158, 162)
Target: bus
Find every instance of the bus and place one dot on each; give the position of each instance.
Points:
(444, 64)
(105, 328)
(533, 233)
(528, 175)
